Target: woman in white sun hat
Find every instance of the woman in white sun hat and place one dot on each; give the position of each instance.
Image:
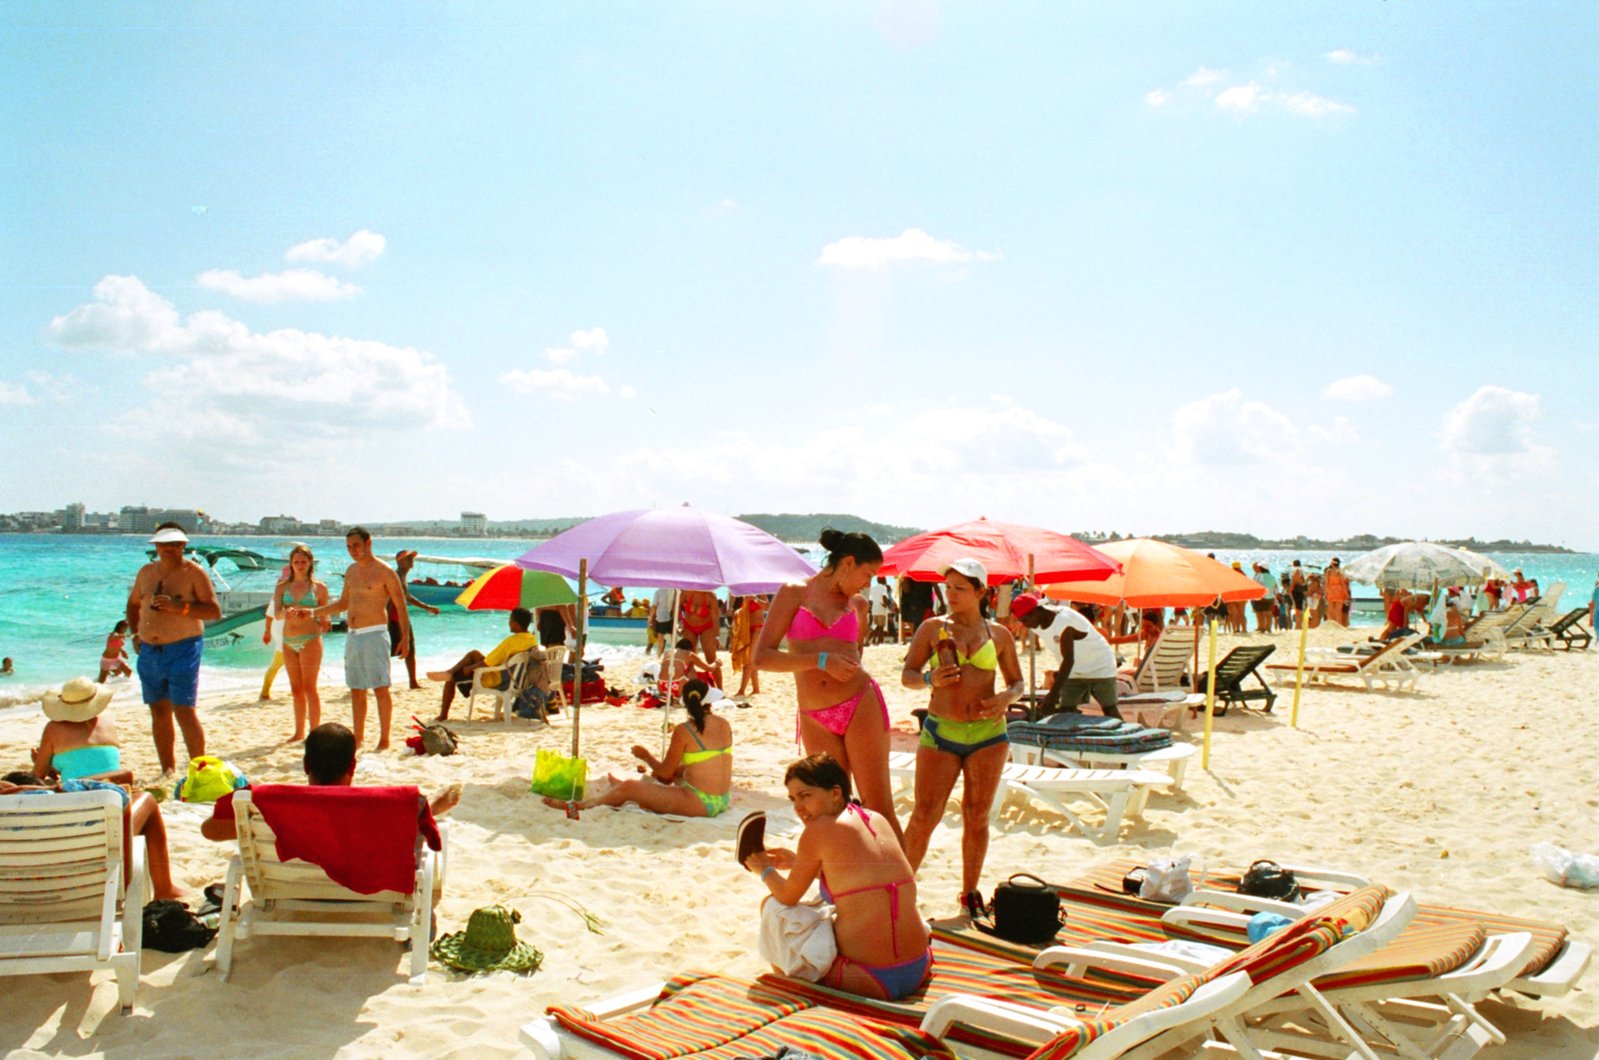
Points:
(79, 740)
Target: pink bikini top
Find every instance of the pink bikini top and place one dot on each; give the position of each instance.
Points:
(806, 626)
(892, 887)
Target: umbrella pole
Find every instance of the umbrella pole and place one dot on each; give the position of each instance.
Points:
(1210, 695)
(1299, 668)
(666, 708)
(577, 665)
(1032, 657)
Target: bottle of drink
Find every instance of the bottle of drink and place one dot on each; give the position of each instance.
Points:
(945, 649)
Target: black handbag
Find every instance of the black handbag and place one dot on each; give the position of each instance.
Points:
(1267, 879)
(1026, 909)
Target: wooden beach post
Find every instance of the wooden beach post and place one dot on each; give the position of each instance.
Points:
(577, 665)
(1210, 696)
(1299, 667)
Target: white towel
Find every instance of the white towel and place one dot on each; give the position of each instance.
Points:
(798, 939)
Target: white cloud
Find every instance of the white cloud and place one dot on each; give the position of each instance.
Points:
(562, 383)
(592, 340)
(627, 392)
(1347, 57)
(1239, 97)
(1339, 432)
(1357, 388)
(1310, 105)
(288, 389)
(15, 394)
(1493, 422)
(913, 244)
(291, 285)
(360, 249)
(1204, 77)
(1225, 429)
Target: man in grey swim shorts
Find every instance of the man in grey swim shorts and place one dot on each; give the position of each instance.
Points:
(370, 588)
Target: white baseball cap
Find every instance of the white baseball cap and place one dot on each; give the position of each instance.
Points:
(969, 567)
(170, 534)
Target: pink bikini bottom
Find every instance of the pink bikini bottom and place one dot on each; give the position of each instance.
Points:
(836, 718)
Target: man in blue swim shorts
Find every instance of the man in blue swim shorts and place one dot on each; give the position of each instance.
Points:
(370, 588)
(168, 607)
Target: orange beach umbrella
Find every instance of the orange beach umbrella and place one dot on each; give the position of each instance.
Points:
(1157, 574)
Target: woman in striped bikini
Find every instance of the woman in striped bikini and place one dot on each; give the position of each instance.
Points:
(841, 709)
(963, 735)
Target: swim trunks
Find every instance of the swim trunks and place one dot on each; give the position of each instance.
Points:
(366, 657)
(171, 672)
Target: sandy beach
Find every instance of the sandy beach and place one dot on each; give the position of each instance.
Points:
(1441, 792)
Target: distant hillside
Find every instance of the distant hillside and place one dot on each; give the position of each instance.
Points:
(794, 528)
(1356, 543)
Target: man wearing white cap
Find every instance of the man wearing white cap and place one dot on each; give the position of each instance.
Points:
(168, 608)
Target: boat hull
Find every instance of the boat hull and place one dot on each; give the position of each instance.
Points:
(614, 630)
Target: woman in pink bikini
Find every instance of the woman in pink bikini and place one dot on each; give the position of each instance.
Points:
(883, 942)
(841, 709)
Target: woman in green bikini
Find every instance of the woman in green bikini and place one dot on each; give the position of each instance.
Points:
(960, 656)
(302, 637)
(696, 777)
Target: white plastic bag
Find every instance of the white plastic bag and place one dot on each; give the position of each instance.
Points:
(798, 939)
(1169, 880)
(1566, 868)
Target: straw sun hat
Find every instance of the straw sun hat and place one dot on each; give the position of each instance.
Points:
(78, 700)
(488, 944)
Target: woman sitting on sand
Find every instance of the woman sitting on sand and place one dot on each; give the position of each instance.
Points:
(302, 637)
(841, 709)
(696, 778)
(963, 734)
(882, 940)
(114, 660)
(79, 741)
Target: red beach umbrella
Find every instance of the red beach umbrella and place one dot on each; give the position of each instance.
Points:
(1005, 549)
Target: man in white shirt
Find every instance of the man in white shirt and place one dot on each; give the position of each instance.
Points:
(661, 619)
(1086, 664)
(881, 599)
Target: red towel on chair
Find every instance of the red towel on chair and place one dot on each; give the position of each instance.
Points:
(363, 838)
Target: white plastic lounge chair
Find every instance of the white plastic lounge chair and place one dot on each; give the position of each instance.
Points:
(1120, 792)
(62, 903)
(680, 1018)
(1285, 970)
(1388, 667)
(1173, 759)
(1158, 697)
(1557, 962)
(511, 678)
(297, 898)
(1391, 1003)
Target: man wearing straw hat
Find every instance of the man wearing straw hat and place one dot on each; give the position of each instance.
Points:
(168, 607)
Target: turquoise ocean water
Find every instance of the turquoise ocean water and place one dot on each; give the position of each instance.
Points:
(61, 594)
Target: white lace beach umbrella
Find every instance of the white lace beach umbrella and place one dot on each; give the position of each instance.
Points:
(1422, 565)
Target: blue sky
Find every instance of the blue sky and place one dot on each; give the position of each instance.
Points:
(1304, 268)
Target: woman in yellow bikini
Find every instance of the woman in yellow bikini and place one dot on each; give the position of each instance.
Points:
(696, 777)
(841, 709)
(959, 656)
(302, 637)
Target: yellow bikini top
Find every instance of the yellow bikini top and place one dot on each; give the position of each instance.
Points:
(984, 658)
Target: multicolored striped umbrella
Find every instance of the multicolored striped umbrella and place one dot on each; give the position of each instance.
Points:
(510, 586)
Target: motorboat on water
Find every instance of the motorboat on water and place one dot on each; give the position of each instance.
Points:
(438, 580)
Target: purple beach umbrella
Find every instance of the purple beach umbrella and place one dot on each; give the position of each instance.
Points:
(666, 548)
(672, 548)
